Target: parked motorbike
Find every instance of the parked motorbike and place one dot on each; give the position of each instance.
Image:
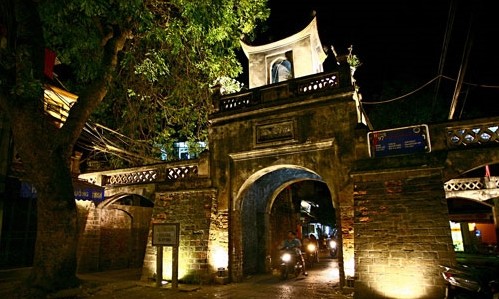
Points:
(290, 263)
(311, 254)
(470, 282)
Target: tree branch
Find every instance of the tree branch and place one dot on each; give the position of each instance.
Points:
(96, 91)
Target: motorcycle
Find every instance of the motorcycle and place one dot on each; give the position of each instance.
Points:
(311, 254)
(470, 282)
(290, 263)
(332, 246)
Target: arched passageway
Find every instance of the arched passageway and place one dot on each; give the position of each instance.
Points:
(124, 226)
(471, 202)
(269, 205)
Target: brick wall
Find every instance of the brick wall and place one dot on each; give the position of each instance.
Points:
(200, 227)
(112, 238)
(402, 233)
(88, 238)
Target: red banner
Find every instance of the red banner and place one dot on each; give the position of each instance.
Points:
(49, 63)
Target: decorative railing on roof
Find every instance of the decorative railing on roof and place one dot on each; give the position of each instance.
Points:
(279, 91)
(316, 84)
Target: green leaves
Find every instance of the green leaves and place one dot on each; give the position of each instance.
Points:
(153, 67)
(177, 48)
(180, 48)
(78, 30)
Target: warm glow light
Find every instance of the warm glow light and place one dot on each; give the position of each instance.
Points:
(286, 257)
(349, 265)
(332, 273)
(404, 282)
(220, 258)
(168, 263)
(457, 237)
(57, 102)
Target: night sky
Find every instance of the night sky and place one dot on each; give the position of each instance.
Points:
(400, 40)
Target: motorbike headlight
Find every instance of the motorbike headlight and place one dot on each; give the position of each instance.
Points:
(332, 244)
(286, 257)
(311, 247)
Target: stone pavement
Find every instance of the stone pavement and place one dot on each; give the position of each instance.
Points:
(322, 282)
(260, 286)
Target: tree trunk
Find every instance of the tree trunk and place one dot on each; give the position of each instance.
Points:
(45, 149)
(54, 265)
(46, 165)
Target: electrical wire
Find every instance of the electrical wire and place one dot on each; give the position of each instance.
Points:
(426, 84)
(403, 96)
(443, 53)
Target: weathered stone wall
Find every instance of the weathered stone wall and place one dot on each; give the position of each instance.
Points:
(310, 131)
(293, 133)
(402, 233)
(112, 238)
(88, 238)
(195, 211)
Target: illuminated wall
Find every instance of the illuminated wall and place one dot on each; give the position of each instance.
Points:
(402, 234)
(203, 235)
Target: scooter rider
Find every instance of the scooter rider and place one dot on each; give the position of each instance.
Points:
(293, 243)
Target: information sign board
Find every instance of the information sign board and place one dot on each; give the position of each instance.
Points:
(165, 234)
(399, 141)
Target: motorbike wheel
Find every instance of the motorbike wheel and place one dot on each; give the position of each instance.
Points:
(310, 261)
(298, 269)
(284, 273)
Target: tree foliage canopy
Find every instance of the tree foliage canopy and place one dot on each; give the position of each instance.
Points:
(152, 61)
(162, 93)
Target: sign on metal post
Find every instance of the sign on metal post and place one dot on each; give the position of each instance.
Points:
(399, 141)
(166, 234)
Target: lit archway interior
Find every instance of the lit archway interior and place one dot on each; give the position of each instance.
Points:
(269, 187)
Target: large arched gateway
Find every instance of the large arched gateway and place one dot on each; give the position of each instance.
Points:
(253, 213)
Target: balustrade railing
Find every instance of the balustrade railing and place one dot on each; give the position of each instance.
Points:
(475, 134)
(466, 184)
(146, 176)
(159, 173)
(316, 84)
(285, 90)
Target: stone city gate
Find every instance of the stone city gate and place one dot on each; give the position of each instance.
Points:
(392, 210)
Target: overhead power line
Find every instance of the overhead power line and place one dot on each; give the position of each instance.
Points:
(445, 47)
(462, 68)
(426, 84)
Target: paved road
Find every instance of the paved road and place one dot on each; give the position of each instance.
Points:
(322, 282)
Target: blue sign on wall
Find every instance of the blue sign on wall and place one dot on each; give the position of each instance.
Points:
(399, 141)
(82, 190)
